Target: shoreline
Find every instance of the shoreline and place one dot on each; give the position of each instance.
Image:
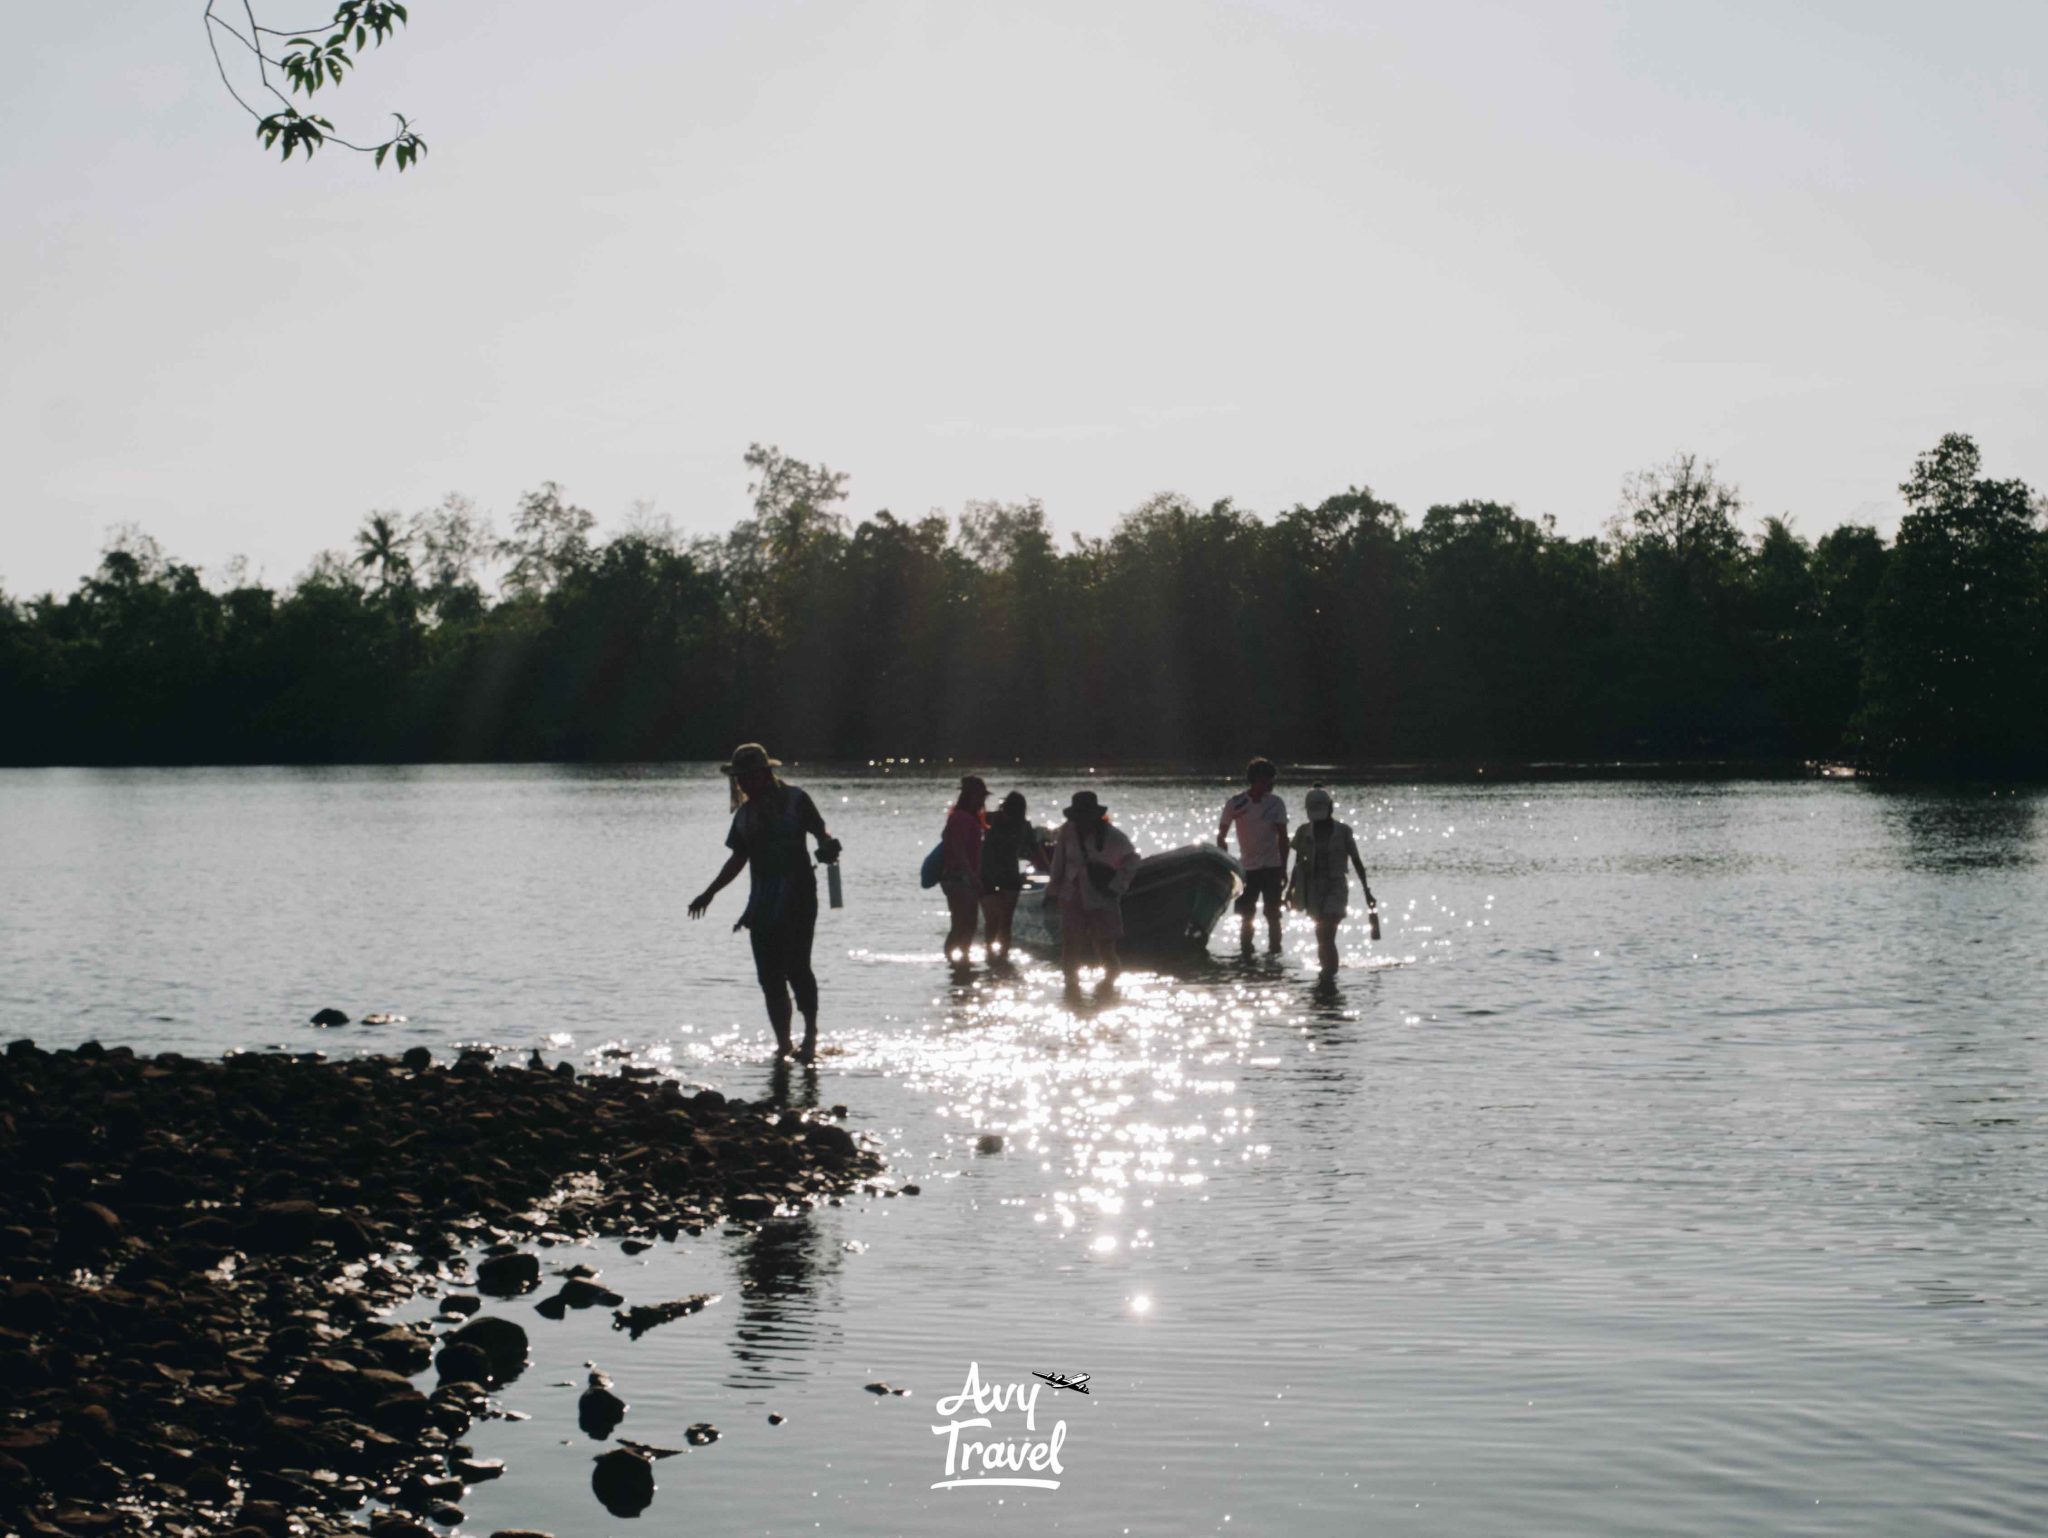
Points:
(198, 1253)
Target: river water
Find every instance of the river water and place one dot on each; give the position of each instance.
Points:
(1673, 1164)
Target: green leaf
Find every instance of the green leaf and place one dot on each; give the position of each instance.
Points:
(381, 149)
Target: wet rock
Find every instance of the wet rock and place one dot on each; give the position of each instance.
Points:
(599, 1410)
(447, 1514)
(649, 1450)
(500, 1340)
(506, 1276)
(520, 1532)
(329, 1017)
(635, 1246)
(702, 1434)
(206, 1483)
(582, 1292)
(775, 1419)
(623, 1482)
(418, 1059)
(475, 1471)
(462, 1362)
(461, 1303)
(989, 1143)
(885, 1388)
(86, 1230)
(398, 1348)
(643, 1317)
(274, 1228)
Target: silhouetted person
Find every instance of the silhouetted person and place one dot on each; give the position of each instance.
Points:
(781, 916)
(1092, 867)
(1009, 845)
(1322, 846)
(1260, 818)
(960, 868)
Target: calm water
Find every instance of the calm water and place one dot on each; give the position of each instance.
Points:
(1674, 1165)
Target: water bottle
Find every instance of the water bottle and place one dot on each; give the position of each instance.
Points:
(835, 893)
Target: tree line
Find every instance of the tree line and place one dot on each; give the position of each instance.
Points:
(1343, 632)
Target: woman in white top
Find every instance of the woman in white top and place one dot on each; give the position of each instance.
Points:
(1092, 867)
(1322, 847)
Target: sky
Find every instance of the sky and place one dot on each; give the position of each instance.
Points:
(1084, 252)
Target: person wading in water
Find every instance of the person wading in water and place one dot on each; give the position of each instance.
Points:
(1092, 867)
(1260, 818)
(1322, 846)
(960, 880)
(781, 915)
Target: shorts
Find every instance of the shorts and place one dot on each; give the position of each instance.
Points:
(1081, 921)
(1267, 882)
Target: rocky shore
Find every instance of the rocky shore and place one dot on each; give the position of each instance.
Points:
(198, 1257)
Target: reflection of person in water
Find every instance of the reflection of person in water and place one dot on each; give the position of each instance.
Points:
(767, 835)
(780, 1262)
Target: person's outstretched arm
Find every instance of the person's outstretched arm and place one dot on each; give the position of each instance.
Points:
(719, 883)
(1359, 864)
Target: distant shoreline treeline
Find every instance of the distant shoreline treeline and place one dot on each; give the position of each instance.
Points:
(1343, 632)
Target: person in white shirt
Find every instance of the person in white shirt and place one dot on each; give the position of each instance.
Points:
(1092, 867)
(1260, 818)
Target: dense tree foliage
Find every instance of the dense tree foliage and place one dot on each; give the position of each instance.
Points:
(1338, 632)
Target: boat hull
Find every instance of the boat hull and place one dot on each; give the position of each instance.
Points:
(1174, 902)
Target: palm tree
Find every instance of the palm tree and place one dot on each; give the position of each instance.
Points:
(382, 548)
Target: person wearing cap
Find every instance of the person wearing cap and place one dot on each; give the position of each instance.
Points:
(781, 916)
(960, 869)
(1093, 864)
(1260, 818)
(1322, 848)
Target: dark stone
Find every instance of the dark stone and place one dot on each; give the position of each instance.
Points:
(643, 1317)
(330, 1016)
(499, 1339)
(462, 1362)
(599, 1410)
(623, 1482)
(505, 1276)
(581, 1292)
(286, 1227)
(418, 1059)
(87, 1230)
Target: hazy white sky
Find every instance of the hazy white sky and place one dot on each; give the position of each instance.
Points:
(1081, 251)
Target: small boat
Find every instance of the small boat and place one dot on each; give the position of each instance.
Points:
(1174, 901)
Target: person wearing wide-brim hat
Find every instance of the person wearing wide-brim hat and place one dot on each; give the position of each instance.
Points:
(1092, 866)
(781, 916)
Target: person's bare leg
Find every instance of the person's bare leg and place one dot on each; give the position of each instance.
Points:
(1272, 923)
(1070, 955)
(1326, 943)
(1112, 963)
(779, 1014)
(960, 937)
